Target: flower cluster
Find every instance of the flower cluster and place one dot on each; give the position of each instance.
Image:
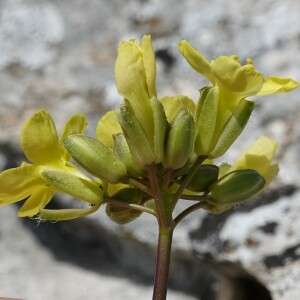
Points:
(150, 152)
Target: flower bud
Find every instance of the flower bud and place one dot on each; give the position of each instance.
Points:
(122, 150)
(160, 127)
(203, 178)
(236, 186)
(95, 157)
(180, 140)
(135, 135)
(233, 128)
(123, 215)
(66, 182)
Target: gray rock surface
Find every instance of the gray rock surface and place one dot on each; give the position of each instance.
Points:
(59, 55)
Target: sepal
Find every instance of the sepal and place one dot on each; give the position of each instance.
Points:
(66, 182)
(160, 127)
(136, 137)
(123, 152)
(180, 140)
(205, 120)
(66, 214)
(233, 128)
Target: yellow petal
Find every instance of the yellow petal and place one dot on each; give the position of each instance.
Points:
(39, 199)
(130, 74)
(230, 75)
(39, 139)
(173, 105)
(276, 85)
(259, 156)
(197, 61)
(131, 71)
(149, 64)
(18, 183)
(262, 147)
(75, 125)
(107, 126)
(66, 214)
(114, 188)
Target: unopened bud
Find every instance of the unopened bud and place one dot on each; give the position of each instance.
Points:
(160, 127)
(236, 186)
(123, 215)
(180, 140)
(95, 157)
(203, 178)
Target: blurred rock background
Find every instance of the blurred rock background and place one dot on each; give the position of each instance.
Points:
(59, 55)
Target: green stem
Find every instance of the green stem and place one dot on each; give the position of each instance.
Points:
(186, 180)
(194, 197)
(166, 226)
(138, 185)
(160, 201)
(131, 206)
(162, 263)
(189, 210)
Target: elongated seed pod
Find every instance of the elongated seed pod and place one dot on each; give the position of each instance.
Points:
(135, 135)
(180, 140)
(95, 157)
(236, 186)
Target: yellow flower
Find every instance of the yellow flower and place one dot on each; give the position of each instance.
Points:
(227, 104)
(135, 75)
(173, 105)
(258, 156)
(50, 170)
(234, 80)
(107, 126)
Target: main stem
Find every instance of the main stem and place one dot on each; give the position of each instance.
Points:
(162, 263)
(166, 227)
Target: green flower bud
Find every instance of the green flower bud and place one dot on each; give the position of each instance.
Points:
(123, 152)
(203, 178)
(66, 182)
(95, 157)
(180, 140)
(160, 127)
(236, 186)
(233, 128)
(123, 215)
(135, 135)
